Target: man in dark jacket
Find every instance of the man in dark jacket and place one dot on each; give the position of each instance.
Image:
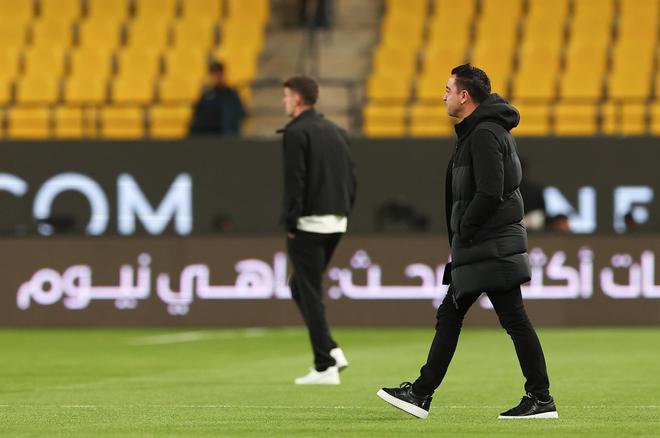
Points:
(488, 246)
(319, 192)
(219, 110)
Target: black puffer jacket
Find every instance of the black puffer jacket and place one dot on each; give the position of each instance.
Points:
(484, 206)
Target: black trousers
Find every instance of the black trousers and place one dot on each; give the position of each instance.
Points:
(513, 317)
(310, 254)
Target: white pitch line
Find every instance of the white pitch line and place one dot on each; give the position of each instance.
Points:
(197, 336)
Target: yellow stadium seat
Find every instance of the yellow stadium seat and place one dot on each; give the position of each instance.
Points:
(202, 10)
(592, 22)
(538, 66)
(394, 61)
(13, 34)
(384, 121)
(9, 62)
(583, 61)
(29, 123)
(655, 118)
(545, 23)
(191, 33)
(407, 7)
(553, 10)
(249, 34)
(496, 62)
(638, 20)
(139, 61)
(158, 10)
(90, 61)
(240, 64)
(20, 11)
(169, 121)
(489, 27)
(636, 29)
(100, 34)
(399, 32)
(128, 88)
(60, 10)
(593, 9)
(52, 33)
(438, 62)
(510, 9)
(450, 23)
(88, 89)
(575, 119)
(150, 33)
(624, 118)
(431, 88)
(388, 88)
(5, 93)
(186, 62)
(38, 88)
(44, 59)
(245, 11)
(183, 88)
(430, 121)
(534, 120)
(631, 74)
(115, 11)
(119, 122)
(75, 122)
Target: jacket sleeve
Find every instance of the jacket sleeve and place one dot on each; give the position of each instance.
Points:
(295, 172)
(488, 171)
(353, 181)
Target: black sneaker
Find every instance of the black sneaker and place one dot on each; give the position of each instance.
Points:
(531, 407)
(405, 399)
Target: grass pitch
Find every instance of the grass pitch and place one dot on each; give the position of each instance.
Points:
(239, 383)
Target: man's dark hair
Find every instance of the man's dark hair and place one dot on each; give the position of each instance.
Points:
(306, 87)
(216, 67)
(474, 80)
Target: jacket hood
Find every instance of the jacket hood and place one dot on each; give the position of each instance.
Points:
(493, 109)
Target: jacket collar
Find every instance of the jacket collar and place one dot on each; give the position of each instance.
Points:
(467, 124)
(307, 114)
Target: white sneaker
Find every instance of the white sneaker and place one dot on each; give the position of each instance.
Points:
(338, 355)
(327, 377)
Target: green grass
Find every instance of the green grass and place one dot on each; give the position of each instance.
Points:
(239, 382)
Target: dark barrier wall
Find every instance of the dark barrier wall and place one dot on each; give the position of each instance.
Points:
(242, 281)
(185, 187)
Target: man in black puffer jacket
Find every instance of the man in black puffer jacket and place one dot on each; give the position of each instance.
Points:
(488, 246)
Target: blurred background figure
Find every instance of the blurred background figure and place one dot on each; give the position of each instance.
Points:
(315, 13)
(632, 226)
(559, 224)
(534, 204)
(400, 215)
(219, 110)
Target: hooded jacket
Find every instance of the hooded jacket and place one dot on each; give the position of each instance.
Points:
(319, 176)
(483, 203)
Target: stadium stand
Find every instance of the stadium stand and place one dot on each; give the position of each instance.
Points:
(573, 67)
(119, 68)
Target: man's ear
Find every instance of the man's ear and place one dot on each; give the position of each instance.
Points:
(464, 96)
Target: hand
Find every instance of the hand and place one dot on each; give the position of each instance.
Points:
(290, 235)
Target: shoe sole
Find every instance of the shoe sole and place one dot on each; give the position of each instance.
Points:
(544, 415)
(406, 407)
(342, 367)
